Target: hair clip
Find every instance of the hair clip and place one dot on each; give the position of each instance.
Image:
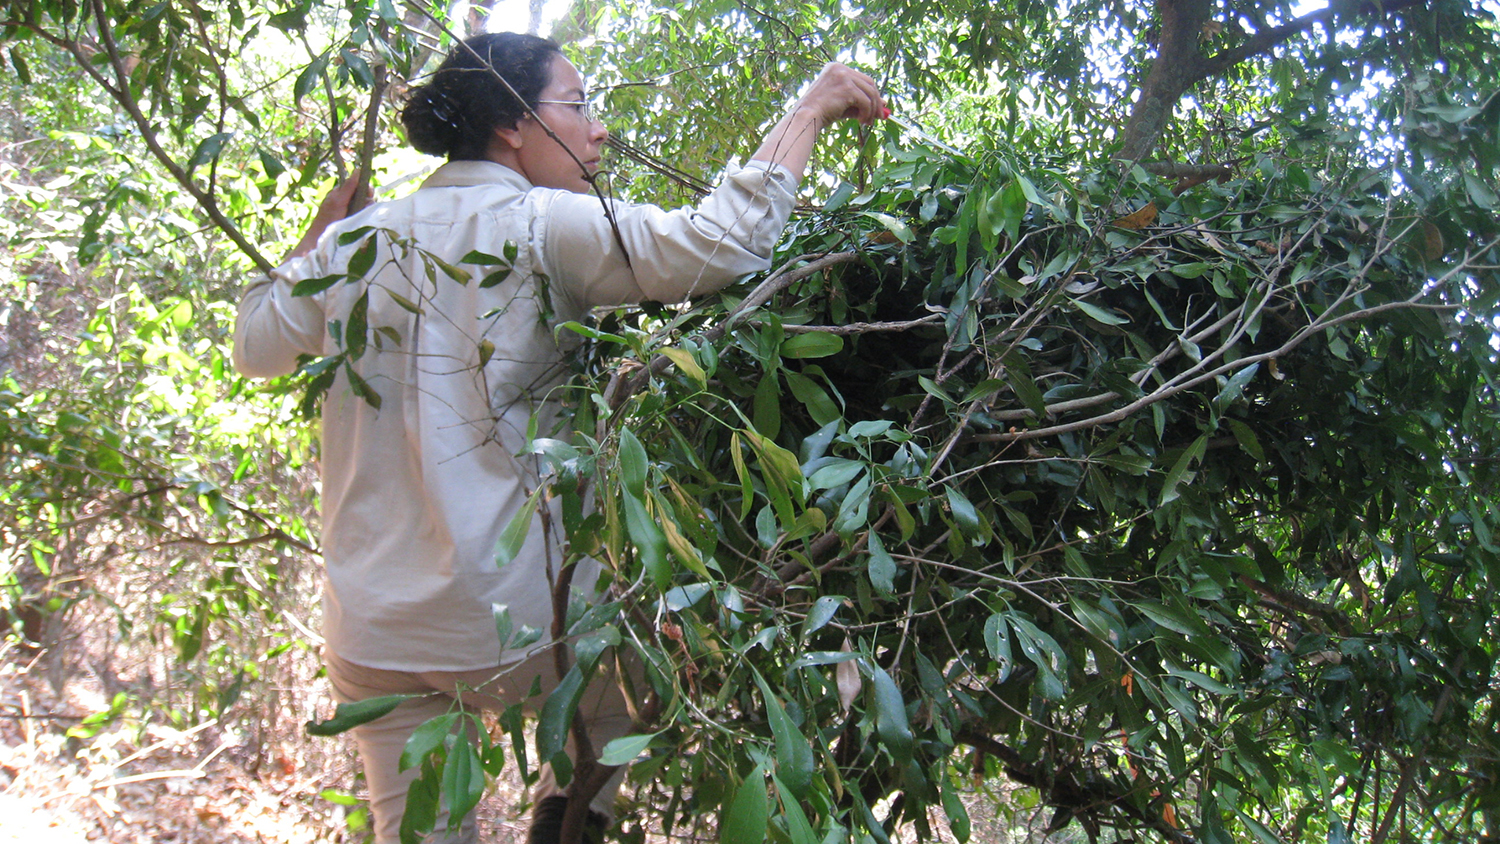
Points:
(443, 109)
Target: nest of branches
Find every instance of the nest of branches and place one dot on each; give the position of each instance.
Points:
(993, 476)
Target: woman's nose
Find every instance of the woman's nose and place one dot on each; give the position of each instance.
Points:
(598, 132)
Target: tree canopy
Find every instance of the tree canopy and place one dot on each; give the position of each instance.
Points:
(1117, 430)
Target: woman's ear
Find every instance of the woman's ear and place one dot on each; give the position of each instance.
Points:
(509, 138)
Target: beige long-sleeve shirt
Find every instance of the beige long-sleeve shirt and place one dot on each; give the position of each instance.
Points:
(416, 493)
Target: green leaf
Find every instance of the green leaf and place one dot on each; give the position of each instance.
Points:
(311, 286)
(781, 472)
(504, 626)
(983, 390)
(1189, 456)
(357, 329)
(463, 781)
(1180, 701)
(964, 514)
(997, 641)
(591, 333)
(338, 798)
(822, 612)
(1192, 270)
(513, 537)
(426, 738)
(747, 815)
(650, 542)
(835, 473)
(348, 237)
(1201, 680)
(458, 274)
(362, 259)
(423, 799)
(1234, 388)
(794, 755)
(867, 817)
(405, 303)
(1037, 644)
(1095, 619)
(854, 510)
(1098, 314)
(891, 723)
(1178, 621)
(494, 278)
(1018, 375)
(357, 67)
(1129, 464)
(351, 715)
(932, 389)
(270, 163)
(797, 825)
(1013, 207)
(207, 150)
(17, 61)
(633, 463)
(901, 230)
(882, 567)
(766, 412)
(812, 658)
(870, 428)
(1247, 439)
(624, 750)
(686, 364)
(958, 815)
(310, 76)
(557, 715)
(747, 488)
(474, 256)
(813, 344)
(840, 196)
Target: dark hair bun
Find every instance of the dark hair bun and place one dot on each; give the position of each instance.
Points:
(430, 126)
(474, 92)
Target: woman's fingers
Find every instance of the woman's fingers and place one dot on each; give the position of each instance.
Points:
(843, 92)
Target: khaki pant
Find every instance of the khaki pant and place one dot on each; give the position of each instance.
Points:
(602, 711)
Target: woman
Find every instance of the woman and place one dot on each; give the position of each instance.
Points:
(421, 435)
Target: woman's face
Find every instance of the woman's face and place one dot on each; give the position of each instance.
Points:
(539, 157)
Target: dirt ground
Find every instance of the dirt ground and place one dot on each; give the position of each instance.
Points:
(133, 783)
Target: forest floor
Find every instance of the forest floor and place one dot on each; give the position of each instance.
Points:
(131, 783)
(251, 777)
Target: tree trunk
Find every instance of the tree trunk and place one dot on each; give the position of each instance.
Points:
(1178, 64)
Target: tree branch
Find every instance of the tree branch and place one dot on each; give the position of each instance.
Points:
(361, 195)
(1060, 788)
(778, 281)
(122, 96)
(1267, 39)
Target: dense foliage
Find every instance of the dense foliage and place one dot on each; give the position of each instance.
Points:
(1160, 489)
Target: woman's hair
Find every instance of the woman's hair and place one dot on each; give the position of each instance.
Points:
(459, 108)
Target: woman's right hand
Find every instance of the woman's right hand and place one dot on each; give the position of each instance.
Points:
(841, 92)
(335, 206)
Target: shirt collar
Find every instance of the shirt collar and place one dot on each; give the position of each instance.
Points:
(466, 174)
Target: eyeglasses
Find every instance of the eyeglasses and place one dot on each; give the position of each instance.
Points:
(584, 109)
